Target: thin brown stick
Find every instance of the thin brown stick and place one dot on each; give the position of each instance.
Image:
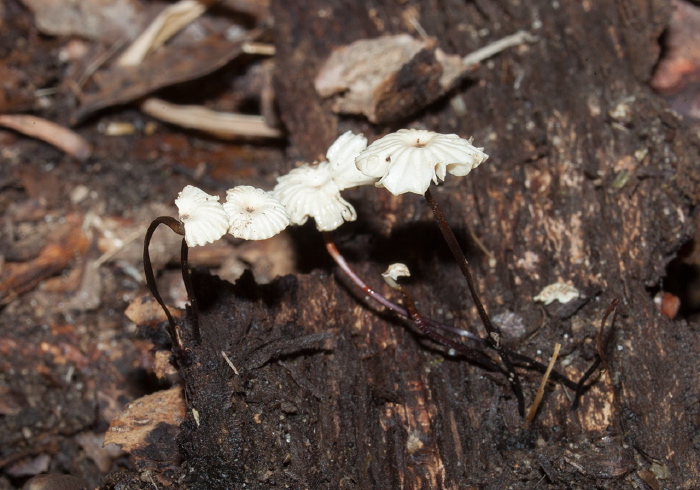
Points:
(226, 125)
(540, 392)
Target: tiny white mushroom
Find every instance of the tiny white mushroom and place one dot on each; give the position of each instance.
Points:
(309, 191)
(341, 156)
(202, 215)
(557, 291)
(254, 214)
(409, 159)
(393, 273)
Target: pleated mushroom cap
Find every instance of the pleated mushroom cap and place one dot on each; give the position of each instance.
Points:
(309, 191)
(254, 214)
(341, 156)
(202, 215)
(409, 159)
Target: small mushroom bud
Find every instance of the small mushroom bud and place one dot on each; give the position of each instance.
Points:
(393, 273)
(557, 291)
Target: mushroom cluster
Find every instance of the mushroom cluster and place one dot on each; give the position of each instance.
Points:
(249, 213)
(408, 160)
(405, 161)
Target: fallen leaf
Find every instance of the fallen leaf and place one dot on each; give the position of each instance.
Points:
(104, 20)
(67, 243)
(168, 66)
(385, 78)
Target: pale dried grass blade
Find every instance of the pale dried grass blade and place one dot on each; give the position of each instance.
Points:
(168, 23)
(540, 391)
(222, 124)
(520, 37)
(62, 138)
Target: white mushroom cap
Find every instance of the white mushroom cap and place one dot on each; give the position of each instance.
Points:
(341, 155)
(393, 273)
(407, 160)
(204, 218)
(254, 214)
(309, 191)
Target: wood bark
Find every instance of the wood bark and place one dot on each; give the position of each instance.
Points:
(591, 181)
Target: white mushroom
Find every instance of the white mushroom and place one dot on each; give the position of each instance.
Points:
(393, 272)
(202, 215)
(309, 191)
(409, 159)
(254, 214)
(341, 155)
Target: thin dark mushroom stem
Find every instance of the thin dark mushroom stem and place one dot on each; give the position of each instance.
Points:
(388, 304)
(419, 322)
(178, 228)
(494, 333)
(600, 356)
(187, 279)
(521, 359)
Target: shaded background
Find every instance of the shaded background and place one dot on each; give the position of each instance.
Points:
(592, 179)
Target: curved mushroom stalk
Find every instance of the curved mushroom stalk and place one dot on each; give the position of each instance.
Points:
(391, 278)
(385, 302)
(178, 228)
(522, 360)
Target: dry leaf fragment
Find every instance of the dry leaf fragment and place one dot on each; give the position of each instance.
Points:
(135, 428)
(168, 23)
(167, 66)
(145, 310)
(362, 65)
(68, 243)
(54, 481)
(392, 77)
(62, 138)
(104, 20)
(385, 78)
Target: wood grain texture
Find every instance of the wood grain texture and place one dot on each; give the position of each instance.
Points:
(590, 181)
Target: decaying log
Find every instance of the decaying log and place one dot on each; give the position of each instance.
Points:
(590, 181)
